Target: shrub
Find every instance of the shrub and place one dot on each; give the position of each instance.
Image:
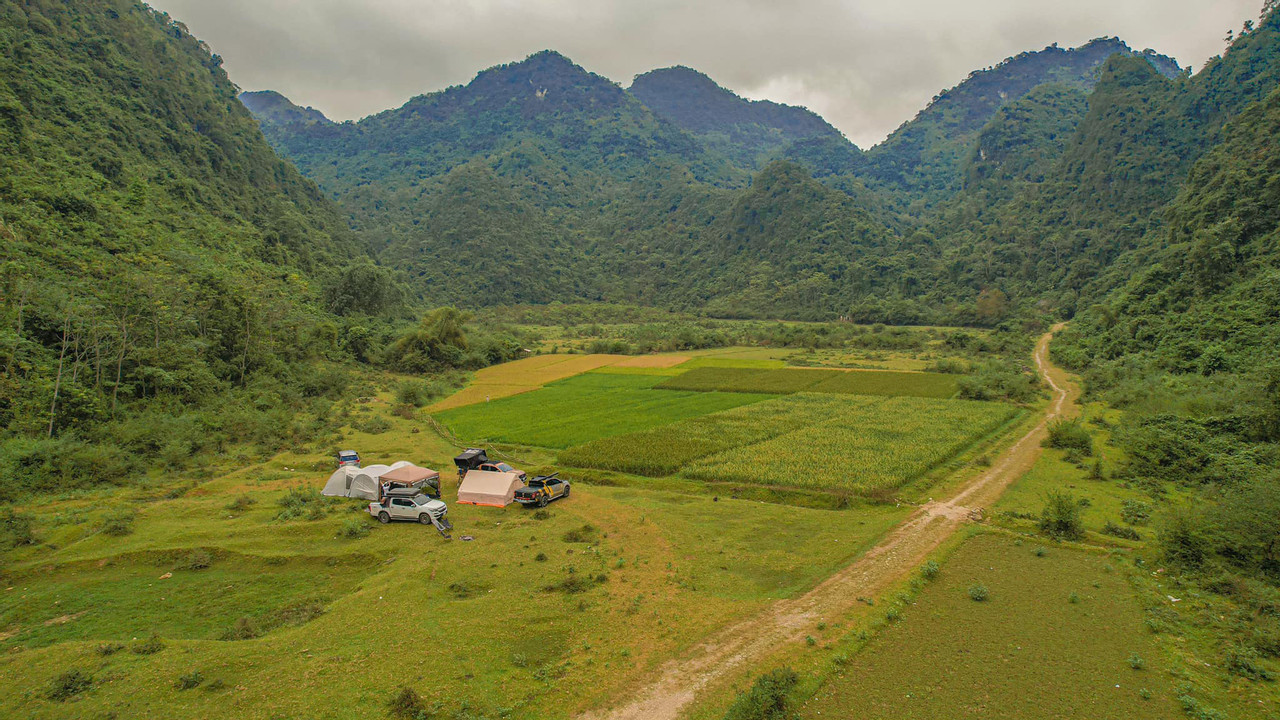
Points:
(354, 529)
(462, 590)
(1120, 531)
(1136, 662)
(1060, 518)
(1135, 512)
(540, 557)
(195, 560)
(150, 646)
(1069, 435)
(585, 534)
(978, 593)
(241, 503)
(1244, 661)
(375, 425)
(1073, 598)
(187, 681)
(768, 699)
(929, 570)
(16, 529)
(118, 522)
(573, 584)
(407, 705)
(415, 393)
(541, 515)
(246, 628)
(111, 648)
(68, 685)
(299, 502)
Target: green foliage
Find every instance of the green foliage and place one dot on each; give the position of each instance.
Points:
(69, 684)
(118, 522)
(1060, 518)
(768, 699)
(354, 528)
(16, 529)
(150, 646)
(1069, 434)
(407, 704)
(978, 593)
(1120, 531)
(189, 680)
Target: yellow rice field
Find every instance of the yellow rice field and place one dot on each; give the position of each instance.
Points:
(522, 376)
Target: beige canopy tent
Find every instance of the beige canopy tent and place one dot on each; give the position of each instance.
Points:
(409, 475)
(484, 487)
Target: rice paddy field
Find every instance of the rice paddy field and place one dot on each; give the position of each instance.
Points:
(866, 447)
(792, 380)
(582, 409)
(819, 429)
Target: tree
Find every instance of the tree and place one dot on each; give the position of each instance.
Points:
(438, 342)
(992, 306)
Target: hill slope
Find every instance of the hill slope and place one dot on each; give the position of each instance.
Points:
(156, 252)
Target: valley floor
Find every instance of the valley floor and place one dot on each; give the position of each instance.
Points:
(249, 595)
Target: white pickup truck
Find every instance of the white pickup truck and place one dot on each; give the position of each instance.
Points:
(402, 505)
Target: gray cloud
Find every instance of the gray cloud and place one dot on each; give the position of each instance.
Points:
(866, 66)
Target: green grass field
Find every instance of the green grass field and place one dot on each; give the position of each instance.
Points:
(1025, 652)
(584, 408)
(793, 380)
(866, 447)
(664, 450)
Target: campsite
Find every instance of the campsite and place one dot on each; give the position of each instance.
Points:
(578, 360)
(632, 571)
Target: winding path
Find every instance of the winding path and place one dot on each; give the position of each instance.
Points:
(902, 550)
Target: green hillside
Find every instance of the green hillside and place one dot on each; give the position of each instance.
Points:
(157, 256)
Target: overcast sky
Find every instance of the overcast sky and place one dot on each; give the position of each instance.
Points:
(865, 65)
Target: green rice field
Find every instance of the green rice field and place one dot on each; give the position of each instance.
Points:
(664, 450)
(865, 448)
(584, 408)
(865, 444)
(794, 380)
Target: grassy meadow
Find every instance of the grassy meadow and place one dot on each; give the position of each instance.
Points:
(1056, 636)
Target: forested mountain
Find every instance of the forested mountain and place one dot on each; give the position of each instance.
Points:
(750, 132)
(1054, 234)
(923, 157)
(624, 195)
(275, 109)
(157, 255)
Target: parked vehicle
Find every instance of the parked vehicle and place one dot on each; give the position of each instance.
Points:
(412, 504)
(348, 457)
(541, 490)
(470, 459)
(503, 468)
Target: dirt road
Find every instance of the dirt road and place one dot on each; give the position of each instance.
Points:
(897, 555)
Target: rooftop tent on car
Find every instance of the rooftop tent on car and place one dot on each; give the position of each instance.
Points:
(470, 459)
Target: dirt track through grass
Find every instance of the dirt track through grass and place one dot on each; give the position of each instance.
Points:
(903, 549)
